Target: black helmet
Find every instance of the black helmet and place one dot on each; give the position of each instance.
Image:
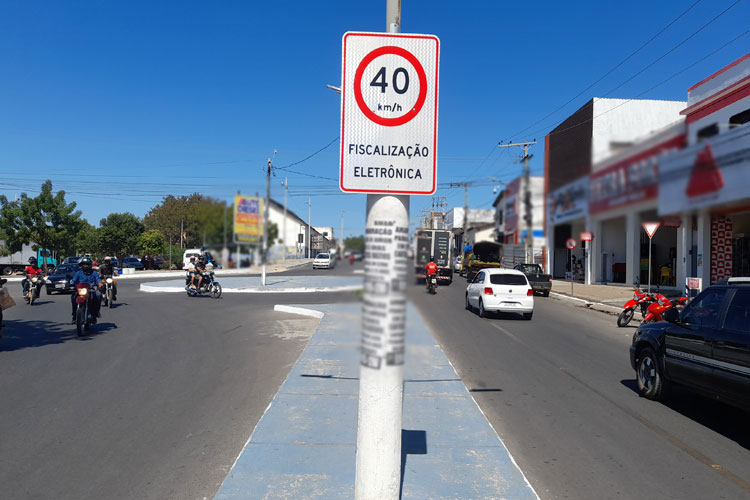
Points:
(32, 261)
(107, 260)
(86, 263)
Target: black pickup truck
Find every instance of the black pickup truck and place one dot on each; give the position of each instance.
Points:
(540, 283)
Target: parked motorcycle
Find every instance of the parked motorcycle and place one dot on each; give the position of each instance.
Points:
(108, 292)
(432, 284)
(657, 309)
(209, 285)
(34, 285)
(83, 306)
(640, 300)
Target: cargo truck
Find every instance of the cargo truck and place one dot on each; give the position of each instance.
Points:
(437, 244)
(18, 261)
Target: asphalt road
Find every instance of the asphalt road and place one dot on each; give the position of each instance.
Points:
(155, 404)
(560, 391)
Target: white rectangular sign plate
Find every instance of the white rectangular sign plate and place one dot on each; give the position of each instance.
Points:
(389, 113)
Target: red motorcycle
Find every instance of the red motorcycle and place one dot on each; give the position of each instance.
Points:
(657, 309)
(83, 317)
(640, 300)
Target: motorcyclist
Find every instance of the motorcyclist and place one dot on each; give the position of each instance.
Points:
(191, 272)
(431, 269)
(200, 268)
(32, 270)
(86, 274)
(107, 270)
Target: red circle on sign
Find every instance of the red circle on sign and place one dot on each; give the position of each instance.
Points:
(421, 97)
(571, 243)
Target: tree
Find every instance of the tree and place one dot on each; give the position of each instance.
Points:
(355, 243)
(200, 217)
(119, 234)
(46, 221)
(273, 233)
(152, 243)
(88, 240)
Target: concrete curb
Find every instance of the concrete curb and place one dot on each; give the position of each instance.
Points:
(299, 310)
(596, 306)
(145, 287)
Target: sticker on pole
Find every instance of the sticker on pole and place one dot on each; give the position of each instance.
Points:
(389, 113)
(570, 244)
(650, 228)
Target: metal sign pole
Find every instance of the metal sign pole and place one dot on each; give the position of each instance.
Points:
(381, 380)
(649, 265)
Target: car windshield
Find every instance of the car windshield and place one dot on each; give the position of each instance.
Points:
(507, 279)
(65, 269)
(322, 255)
(530, 268)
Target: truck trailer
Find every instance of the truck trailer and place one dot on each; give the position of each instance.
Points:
(437, 244)
(18, 261)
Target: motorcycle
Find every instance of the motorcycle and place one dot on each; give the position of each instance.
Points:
(640, 300)
(661, 305)
(33, 292)
(108, 292)
(432, 284)
(83, 317)
(209, 285)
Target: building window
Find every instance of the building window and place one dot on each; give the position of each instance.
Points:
(707, 132)
(739, 119)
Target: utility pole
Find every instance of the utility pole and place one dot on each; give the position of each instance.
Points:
(286, 191)
(381, 376)
(528, 216)
(341, 238)
(309, 228)
(264, 257)
(465, 185)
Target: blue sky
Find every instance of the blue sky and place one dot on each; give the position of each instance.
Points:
(121, 103)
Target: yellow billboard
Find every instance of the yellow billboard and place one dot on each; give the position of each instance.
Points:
(248, 219)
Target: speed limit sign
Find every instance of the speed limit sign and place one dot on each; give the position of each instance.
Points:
(389, 113)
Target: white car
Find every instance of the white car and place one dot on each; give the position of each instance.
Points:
(457, 264)
(324, 261)
(500, 290)
(191, 252)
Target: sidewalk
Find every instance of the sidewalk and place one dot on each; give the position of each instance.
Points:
(304, 446)
(607, 298)
(274, 284)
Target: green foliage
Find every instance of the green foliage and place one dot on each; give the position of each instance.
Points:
(273, 233)
(151, 243)
(46, 220)
(201, 217)
(356, 243)
(119, 234)
(87, 241)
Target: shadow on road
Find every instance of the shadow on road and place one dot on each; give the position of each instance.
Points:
(727, 420)
(19, 334)
(412, 443)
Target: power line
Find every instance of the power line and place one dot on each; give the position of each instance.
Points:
(630, 56)
(554, 132)
(286, 167)
(682, 42)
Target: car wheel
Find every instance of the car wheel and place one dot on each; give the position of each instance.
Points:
(546, 293)
(482, 312)
(651, 384)
(48, 291)
(527, 316)
(468, 305)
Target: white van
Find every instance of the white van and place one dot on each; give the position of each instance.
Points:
(191, 252)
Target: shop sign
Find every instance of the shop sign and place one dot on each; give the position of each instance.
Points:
(630, 181)
(706, 174)
(694, 283)
(569, 202)
(587, 236)
(673, 221)
(248, 219)
(511, 204)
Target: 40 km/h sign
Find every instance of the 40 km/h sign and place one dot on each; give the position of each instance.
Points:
(389, 113)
